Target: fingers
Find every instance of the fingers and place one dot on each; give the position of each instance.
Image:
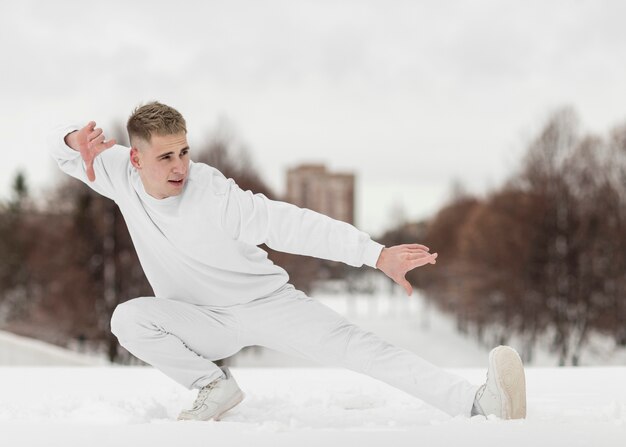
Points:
(95, 146)
(93, 142)
(417, 255)
(96, 139)
(418, 261)
(101, 147)
(417, 246)
(407, 286)
(95, 133)
(433, 258)
(90, 126)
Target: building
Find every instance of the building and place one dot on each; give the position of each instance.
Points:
(312, 186)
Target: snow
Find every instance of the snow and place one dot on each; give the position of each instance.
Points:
(292, 402)
(103, 406)
(17, 350)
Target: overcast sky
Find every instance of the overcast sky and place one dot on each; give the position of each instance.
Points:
(408, 95)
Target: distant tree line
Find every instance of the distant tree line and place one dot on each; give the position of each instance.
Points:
(544, 254)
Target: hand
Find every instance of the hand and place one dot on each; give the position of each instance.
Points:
(89, 141)
(396, 261)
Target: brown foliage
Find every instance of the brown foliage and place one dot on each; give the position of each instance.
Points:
(544, 254)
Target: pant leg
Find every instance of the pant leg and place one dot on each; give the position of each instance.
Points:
(179, 339)
(296, 324)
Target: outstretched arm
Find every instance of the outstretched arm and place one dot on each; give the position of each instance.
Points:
(396, 261)
(255, 219)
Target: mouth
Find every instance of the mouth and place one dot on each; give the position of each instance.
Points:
(176, 182)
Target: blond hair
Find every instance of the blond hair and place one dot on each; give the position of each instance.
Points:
(154, 118)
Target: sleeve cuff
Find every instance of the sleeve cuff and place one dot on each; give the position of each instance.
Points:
(371, 253)
(58, 147)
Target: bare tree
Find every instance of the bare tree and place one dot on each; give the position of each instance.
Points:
(543, 254)
(14, 241)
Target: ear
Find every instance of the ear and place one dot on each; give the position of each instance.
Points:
(134, 157)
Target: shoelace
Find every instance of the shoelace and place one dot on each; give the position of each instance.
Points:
(202, 394)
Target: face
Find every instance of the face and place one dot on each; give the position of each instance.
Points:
(162, 164)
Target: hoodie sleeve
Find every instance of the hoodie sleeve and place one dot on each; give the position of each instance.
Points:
(110, 166)
(255, 219)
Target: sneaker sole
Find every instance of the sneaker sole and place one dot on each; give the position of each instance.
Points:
(511, 380)
(230, 405)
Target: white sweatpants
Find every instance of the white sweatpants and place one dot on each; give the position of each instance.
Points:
(183, 339)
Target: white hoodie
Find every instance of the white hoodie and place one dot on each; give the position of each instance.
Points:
(201, 245)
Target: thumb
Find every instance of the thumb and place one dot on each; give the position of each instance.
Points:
(407, 286)
(91, 174)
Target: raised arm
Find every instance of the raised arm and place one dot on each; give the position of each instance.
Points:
(85, 154)
(89, 142)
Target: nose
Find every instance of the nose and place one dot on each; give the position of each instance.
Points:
(179, 167)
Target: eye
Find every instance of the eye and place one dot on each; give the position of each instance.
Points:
(167, 157)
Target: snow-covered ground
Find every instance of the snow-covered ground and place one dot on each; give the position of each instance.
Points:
(105, 406)
(23, 351)
(307, 405)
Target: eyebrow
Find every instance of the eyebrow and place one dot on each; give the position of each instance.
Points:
(172, 152)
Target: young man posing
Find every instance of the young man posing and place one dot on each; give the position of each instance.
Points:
(196, 234)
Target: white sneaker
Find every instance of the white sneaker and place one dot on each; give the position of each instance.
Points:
(504, 393)
(214, 399)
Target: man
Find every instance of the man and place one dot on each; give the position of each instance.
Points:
(197, 234)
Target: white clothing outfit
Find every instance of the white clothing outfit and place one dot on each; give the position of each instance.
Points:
(216, 291)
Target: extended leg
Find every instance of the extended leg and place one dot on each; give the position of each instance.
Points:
(299, 325)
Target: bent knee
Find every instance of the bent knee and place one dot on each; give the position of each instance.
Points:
(127, 316)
